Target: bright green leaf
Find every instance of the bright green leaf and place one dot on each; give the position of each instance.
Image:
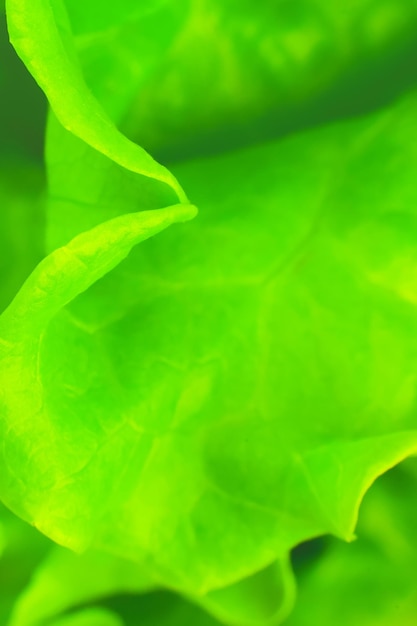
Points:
(185, 362)
(65, 580)
(86, 188)
(204, 402)
(55, 282)
(70, 270)
(40, 32)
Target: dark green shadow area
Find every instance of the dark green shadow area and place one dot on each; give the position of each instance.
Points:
(362, 87)
(306, 554)
(159, 608)
(25, 548)
(22, 105)
(22, 224)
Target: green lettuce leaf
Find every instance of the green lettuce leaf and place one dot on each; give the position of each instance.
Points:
(86, 188)
(370, 582)
(41, 34)
(205, 401)
(373, 581)
(167, 397)
(65, 580)
(55, 282)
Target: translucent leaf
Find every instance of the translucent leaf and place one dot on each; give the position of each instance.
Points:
(235, 385)
(41, 34)
(231, 388)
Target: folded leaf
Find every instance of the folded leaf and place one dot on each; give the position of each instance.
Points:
(234, 387)
(23, 327)
(65, 580)
(40, 32)
(86, 188)
(373, 581)
(210, 399)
